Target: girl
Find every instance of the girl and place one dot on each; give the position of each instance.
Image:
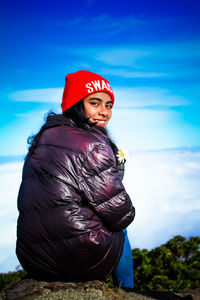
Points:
(72, 204)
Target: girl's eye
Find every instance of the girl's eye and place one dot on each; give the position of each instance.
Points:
(94, 103)
(109, 105)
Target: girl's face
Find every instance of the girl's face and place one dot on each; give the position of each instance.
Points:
(98, 108)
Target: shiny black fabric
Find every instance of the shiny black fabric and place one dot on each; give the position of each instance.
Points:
(72, 206)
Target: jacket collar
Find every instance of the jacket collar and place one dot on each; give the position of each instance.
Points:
(54, 120)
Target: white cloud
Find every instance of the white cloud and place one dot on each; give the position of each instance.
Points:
(167, 202)
(10, 179)
(125, 96)
(129, 56)
(38, 95)
(146, 128)
(8, 261)
(147, 96)
(142, 118)
(117, 57)
(9, 185)
(131, 74)
(139, 109)
(179, 50)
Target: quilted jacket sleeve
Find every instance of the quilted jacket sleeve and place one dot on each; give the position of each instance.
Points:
(103, 189)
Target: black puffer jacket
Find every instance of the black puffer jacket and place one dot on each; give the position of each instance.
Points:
(72, 207)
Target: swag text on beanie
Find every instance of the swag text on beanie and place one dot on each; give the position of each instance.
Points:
(80, 84)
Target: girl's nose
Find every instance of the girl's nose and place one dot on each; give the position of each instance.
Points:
(103, 110)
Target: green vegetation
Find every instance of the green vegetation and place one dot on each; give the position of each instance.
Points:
(173, 266)
(8, 278)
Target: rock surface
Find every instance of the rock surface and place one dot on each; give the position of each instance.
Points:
(30, 289)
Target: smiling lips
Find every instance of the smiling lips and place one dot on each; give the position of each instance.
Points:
(101, 122)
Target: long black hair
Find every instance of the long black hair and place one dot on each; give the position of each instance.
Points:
(77, 115)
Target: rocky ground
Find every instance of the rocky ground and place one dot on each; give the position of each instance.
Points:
(30, 289)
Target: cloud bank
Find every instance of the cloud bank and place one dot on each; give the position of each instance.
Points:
(10, 180)
(163, 185)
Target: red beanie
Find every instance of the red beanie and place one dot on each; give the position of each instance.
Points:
(80, 84)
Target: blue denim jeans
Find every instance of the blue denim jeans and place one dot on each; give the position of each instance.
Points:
(123, 274)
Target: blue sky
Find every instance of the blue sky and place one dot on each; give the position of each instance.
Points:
(148, 50)
(150, 53)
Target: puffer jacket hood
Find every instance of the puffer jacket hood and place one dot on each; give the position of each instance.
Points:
(72, 206)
